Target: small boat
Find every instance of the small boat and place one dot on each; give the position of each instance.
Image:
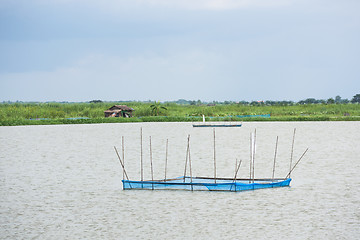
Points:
(216, 125)
(206, 184)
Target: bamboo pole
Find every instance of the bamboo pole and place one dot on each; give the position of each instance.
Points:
(237, 169)
(292, 150)
(166, 156)
(214, 157)
(123, 152)
(122, 165)
(186, 158)
(234, 181)
(141, 155)
(190, 165)
(235, 165)
(254, 151)
(273, 173)
(151, 164)
(250, 176)
(288, 175)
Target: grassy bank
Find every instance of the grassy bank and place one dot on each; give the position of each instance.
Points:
(59, 113)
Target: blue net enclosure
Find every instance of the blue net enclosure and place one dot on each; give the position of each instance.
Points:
(206, 184)
(215, 183)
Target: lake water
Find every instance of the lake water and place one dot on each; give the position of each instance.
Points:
(64, 182)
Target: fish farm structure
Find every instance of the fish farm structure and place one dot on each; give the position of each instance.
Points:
(191, 183)
(204, 184)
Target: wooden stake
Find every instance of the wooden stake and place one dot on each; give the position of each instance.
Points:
(250, 176)
(234, 181)
(273, 174)
(292, 150)
(237, 169)
(214, 157)
(166, 156)
(254, 151)
(151, 164)
(235, 165)
(122, 165)
(190, 164)
(186, 158)
(123, 152)
(288, 175)
(141, 155)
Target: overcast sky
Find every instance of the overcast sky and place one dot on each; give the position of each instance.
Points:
(80, 50)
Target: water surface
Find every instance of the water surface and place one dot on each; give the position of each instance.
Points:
(64, 182)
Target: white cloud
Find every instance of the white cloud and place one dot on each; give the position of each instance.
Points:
(113, 78)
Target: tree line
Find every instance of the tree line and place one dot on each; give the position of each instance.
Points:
(336, 100)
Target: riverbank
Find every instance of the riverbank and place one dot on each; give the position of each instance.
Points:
(13, 114)
(172, 119)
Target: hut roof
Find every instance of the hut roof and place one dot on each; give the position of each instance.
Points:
(118, 108)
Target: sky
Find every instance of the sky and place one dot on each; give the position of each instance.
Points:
(165, 50)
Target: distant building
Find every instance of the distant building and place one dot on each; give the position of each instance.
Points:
(119, 111)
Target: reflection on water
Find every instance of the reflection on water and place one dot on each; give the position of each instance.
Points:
(65, 182)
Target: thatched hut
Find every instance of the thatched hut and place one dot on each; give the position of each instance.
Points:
(119, 111)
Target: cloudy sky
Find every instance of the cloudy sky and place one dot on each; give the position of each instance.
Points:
(80, 50)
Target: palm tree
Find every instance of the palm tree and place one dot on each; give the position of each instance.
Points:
(155, 108)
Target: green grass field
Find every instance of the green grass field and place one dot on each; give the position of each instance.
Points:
(12, 114)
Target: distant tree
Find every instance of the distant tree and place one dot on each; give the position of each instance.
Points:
(356, 99)
(192, 103)
(337, 99)
(95, 101)
(286, 103)
(244, 103)
(344, 101)
(155, 108)
(255, 103)
(330, 101)
(182, 101)
(310, 101)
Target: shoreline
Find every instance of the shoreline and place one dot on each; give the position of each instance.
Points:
(61, 121)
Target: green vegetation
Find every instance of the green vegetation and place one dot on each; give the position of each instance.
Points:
(156, 107)
(12, 114)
